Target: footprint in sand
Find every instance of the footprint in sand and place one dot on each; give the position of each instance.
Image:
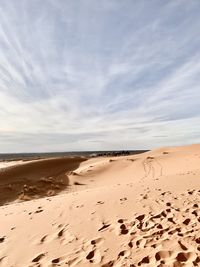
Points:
(124, 254)
(39, 257)
(100, 202)
(94, 256)
(43, 239)
(185, 256)
(145, 260)
(58, 260)
(2, 239)
(123, 229)
(2, 259)
(108, 264)
(61, 232)
(97, 241)
(105, 226)
(160, 255)
(122, 200)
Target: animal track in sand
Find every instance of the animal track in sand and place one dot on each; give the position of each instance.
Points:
(97, 241)
(145, 260)
(2, 239)
(90, 255)
(105, 226)
(81, 206)
(100, 202)
(182, 246)
(162, 255)
(123, 230)
(94, 256)
(122, 200)
(124, 253)
(2, 259)
(183, 257)
(39, 257)
(60, 233)
(168, 235)
(172, 224)
(58, 260)
(43, 239)
(78, 183)
(38, 211)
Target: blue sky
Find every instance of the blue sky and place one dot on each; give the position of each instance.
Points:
(95, 75)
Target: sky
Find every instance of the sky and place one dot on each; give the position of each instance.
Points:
(98, 75)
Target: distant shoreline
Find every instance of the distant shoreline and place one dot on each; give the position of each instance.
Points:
(7, 157)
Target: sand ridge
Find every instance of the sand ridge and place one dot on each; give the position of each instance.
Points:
(140, 210)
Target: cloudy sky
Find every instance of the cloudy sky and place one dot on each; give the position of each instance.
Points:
(97, 75)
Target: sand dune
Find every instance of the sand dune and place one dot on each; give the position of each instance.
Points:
(5, 164)
(36, 178)
(140, 210)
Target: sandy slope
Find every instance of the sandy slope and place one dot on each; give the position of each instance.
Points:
(36, 178)
(5, 164)
(140, 210)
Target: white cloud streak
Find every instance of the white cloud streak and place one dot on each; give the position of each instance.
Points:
(90, 75)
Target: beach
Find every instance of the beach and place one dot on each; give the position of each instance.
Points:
(125, 211)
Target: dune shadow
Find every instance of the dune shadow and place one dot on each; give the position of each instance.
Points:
(36, 179)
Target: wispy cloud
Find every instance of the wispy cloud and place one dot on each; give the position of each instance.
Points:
(92, 75)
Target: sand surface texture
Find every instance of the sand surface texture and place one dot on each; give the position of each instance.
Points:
(141, 210)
